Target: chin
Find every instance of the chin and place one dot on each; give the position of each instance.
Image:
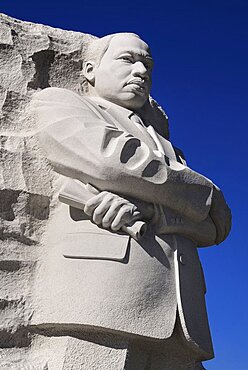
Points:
(134, 105)
(133, 102)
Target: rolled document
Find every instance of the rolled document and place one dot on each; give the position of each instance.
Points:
(76, 194)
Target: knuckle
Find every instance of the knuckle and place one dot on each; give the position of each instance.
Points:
(115, 203)
(127, 212)
(126, 208)
(109, 197)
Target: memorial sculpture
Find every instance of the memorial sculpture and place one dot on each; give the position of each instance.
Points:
(119, 168)
(126, 288)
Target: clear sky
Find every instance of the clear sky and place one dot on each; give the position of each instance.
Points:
(200, 78)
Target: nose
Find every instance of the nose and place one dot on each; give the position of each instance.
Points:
(139, 69)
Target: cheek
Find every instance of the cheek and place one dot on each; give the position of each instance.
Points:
(112, 78)
(121, 71)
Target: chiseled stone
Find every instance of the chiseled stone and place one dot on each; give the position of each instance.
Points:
(75, 295)
(32, 57)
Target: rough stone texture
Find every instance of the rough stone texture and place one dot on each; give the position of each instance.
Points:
(32, 57)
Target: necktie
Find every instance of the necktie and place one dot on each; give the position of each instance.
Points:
(165, 149)
(137, 120)
(150, 130)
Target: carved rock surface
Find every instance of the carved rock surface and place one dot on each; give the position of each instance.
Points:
(32, 57)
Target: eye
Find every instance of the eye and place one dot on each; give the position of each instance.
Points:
(148, 63)
(126, 58)
(149, 66)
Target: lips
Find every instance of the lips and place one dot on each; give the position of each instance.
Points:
(138, 86)
(137, 82)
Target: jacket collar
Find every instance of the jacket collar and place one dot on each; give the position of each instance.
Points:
(121, 118)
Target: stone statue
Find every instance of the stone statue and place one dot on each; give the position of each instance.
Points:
(122, 280)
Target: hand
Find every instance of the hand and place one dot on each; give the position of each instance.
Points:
(111, 211)
(221, 215)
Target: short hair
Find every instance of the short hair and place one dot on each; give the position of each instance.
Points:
(95, 51)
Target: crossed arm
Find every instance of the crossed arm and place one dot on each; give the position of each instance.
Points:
(81, 144)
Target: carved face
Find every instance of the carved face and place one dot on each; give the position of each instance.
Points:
(124, 73)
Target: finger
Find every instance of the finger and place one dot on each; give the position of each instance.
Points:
(135, 217)
(101, 209)
(111, 213)
(125, 216)
(121, 218)
(93, 203)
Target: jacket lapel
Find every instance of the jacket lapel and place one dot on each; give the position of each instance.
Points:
(123, 122)
(120, 117)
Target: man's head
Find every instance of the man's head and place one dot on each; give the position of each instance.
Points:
(118, 68)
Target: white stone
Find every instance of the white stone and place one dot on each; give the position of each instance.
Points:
(93, 297)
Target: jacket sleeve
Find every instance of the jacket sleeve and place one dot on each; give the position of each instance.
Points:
(81, 144)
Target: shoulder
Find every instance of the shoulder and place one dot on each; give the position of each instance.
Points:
(64, 107)
(60, 96)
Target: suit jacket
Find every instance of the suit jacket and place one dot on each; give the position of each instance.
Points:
(110, 280)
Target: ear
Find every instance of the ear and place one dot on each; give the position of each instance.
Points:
(89, 71)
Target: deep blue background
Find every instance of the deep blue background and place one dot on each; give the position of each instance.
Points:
(200, 78)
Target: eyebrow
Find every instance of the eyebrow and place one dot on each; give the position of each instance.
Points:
(143, 55)
(134, 53)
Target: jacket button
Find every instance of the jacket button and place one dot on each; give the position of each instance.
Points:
(182, 259)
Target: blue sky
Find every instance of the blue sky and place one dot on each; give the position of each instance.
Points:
(200, 78)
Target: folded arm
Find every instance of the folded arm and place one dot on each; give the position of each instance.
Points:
(80, 143)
